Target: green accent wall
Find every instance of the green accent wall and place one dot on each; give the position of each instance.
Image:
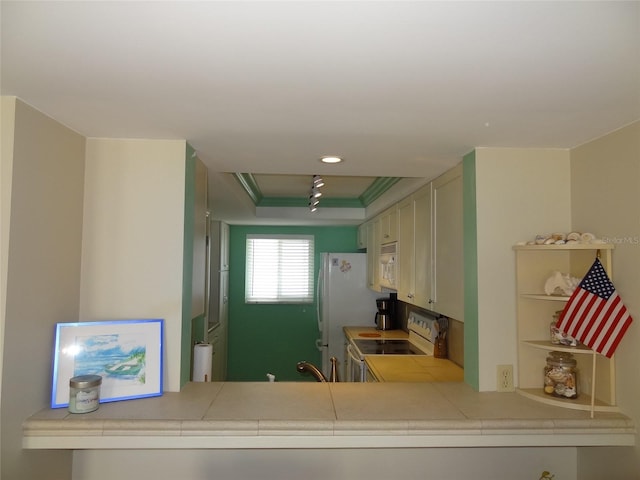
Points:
(269, 338)
(470, 246)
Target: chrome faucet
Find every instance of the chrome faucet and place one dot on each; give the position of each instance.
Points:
(315, 371)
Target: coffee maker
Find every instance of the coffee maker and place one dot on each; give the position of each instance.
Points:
(386, 315)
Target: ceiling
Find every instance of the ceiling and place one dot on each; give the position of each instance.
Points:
(398, 89)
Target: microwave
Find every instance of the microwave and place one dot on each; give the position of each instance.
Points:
(388, 265)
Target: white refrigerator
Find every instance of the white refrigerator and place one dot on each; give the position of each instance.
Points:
(343, 299)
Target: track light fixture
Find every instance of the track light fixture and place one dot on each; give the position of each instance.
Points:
(315, 193)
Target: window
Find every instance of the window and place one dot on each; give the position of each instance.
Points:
(279, 269)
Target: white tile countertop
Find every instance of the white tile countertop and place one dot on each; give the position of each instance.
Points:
(325, 415)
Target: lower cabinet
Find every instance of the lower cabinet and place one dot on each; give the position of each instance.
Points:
(218, 340)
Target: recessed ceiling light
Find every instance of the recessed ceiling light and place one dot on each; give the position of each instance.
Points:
(331, 160)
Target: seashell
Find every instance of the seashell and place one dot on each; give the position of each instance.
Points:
(560, 242)
(549, 241)
(558, 236)
(557, 375)
(573, 236)
(571, 242)
(587, 237)
(540, 239)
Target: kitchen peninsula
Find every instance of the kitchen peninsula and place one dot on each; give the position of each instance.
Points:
(294, 415)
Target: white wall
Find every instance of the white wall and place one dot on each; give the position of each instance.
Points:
(132, 247)
(41, 241)
(605, 184)
(519, 193)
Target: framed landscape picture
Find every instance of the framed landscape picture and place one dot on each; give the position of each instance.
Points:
(127, 354)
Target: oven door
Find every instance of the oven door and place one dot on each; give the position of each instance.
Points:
(355, 366)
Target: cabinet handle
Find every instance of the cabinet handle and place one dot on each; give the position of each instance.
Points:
(410, 295)
(430, 301)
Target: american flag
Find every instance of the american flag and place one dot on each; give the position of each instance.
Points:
(594, 314)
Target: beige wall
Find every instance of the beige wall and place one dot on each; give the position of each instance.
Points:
(132, 246)
(327, 464)
(605, 184)
(41, 241)
(7, 124)
(519, 193)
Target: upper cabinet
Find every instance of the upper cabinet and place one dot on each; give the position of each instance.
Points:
(414, 245)
(362, 235)
(373, 252)
(199, 274)
(428, 228)
(422, 233)
(448, 266)
(219, 246)
(389, 225)
(219, 275)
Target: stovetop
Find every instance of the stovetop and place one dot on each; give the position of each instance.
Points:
(423, 331)
(387, 347)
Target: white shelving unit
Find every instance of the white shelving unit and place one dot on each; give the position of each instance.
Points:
(596, 373)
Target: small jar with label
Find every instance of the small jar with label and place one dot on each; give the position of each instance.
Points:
(561, 375)
(84, 393)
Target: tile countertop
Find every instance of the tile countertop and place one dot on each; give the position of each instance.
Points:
(373, 333)
(405, 368)
(413, 368)
(325, 415)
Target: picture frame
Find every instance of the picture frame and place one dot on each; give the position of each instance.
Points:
(128, 354)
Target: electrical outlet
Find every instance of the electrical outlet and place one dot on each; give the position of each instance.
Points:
(504, 374)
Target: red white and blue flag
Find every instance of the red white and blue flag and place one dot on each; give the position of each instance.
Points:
(594, 314)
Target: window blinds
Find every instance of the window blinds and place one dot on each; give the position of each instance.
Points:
(279, 269)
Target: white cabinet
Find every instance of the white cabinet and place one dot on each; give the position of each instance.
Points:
(389, 225)
(414, 244)
(373, 252)
(422, 247)
(219, 298)
(406, 251)
(218, 340)
(448, 265)
(219, 246)
(428, 228)
(430, 241)
(198, 271)
(362, 235)
(535, 310)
